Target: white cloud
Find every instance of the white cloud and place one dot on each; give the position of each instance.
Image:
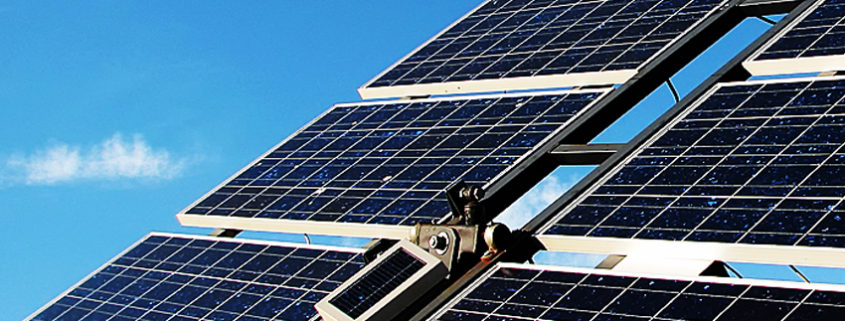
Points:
(535, 200)
(114, 158)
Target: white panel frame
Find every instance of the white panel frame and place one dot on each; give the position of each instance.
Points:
(785, 66)
(771, 67)
(708, 279)
(399, 298)
(689, 250)
(197, 237)
(650, 263)
(505, 84)
(594, 78)
(357, 229)
(296, 226)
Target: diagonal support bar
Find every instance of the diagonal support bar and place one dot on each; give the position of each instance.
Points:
(584, 154)
(767, 7)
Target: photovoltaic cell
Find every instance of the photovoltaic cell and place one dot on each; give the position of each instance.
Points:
(820, 33)
(178, 277)
(755, 163)
(524, 38)
(528, 292)
(377, 283)
(813, 43)
(390, 162)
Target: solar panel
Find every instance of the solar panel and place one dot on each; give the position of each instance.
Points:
(813, 43)
(756, 162)
(530, 292)
(180, 277)
(523, 44)
(386, 286)
(385, 163)
(375, 285)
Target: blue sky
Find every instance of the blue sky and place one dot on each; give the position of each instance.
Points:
(119, 114)
(136, 108)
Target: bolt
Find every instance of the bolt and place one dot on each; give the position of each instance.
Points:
(439, 243)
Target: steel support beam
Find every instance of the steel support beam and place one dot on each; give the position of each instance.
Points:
(584, 154)
(767, 7)
(225, 232)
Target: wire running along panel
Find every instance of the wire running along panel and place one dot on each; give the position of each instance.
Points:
(389, 163)
(184, 278)
(529, 292)
(754, 163)
(520, 38)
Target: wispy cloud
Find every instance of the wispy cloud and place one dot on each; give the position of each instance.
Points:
(112, 159)
(535, 200)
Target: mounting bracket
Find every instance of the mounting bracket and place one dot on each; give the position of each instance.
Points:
(465, 203)
(460, 246)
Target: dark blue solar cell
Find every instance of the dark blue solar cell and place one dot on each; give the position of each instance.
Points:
(788, 221)
(377, 283)
(643, 303)
(737, 220)
(635, 175)
(548, 37)
(632, 216)
(588, 215)
(776, 294)
(818, 34)
(680, 218)
(613, 232)
(706, 308)
(155, 294)
(741, 309)
(522, 294)
(519, 310)
(745, 164)
(770, 238)
(421, 146)
(781, 175)
(817, 312)
(599, 298)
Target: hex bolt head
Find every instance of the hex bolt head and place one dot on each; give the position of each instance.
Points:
(439, 243)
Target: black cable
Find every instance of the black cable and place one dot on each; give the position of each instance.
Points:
(801, 275)
(673, 90)
(734, 271)
(767, 20)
